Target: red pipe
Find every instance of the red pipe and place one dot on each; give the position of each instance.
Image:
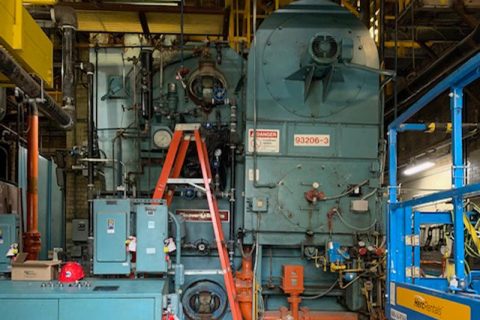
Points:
(31, 238)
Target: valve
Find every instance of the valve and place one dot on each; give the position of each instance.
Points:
(313, 195)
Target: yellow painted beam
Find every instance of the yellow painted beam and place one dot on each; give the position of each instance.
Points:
(350, 8)
(41, 2)
(25, 40)
(111, 21)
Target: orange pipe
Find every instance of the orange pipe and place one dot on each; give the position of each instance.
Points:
(294, 300)
(244, 285)
(305, 314)
(32, 241)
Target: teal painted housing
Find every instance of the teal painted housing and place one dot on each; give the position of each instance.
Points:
(51, 208)
(152, 231)
(330, 138)
(312, 171)
(101, 299)
(112, 225)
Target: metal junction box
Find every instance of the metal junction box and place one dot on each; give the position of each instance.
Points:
(112, 229)
(80, 230)
(152, 230)
(9, 231)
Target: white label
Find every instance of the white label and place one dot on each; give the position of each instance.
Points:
(392, 294)
(151, 224)
(250, 174)
(111, 226)
(268, 141)
(397, 315)
(151, 250)
(311, 140)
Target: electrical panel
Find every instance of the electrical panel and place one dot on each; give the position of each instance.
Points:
(152, 230)
(9, 233)
(79, 230)
(112, 230)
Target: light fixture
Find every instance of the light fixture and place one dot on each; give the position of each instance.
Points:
(418, 167)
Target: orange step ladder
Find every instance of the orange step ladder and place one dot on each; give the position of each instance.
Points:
(183, 134)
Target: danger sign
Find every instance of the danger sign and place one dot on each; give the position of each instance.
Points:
(268, 140)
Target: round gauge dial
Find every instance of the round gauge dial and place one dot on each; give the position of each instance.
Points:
(162, 138)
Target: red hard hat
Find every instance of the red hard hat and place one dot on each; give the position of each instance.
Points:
(71, 272)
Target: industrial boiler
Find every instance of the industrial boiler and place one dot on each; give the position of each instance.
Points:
(292, 137)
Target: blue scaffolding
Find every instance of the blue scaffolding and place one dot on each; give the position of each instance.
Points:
(410, 296)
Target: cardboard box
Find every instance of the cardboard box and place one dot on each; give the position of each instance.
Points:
(35, 270)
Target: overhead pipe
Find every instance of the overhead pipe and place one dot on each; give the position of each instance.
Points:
(23, 80)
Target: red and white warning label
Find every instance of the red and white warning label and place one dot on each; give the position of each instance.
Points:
(311, 140)
(268, 140)
(202, 215)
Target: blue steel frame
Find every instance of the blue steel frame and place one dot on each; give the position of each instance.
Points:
(403, 220)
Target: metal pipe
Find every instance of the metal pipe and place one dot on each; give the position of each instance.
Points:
(458, 181)
(255, 107)
(68, 76)
(381, 39)
(232, 198)
(178, 238)
(89, 69)
(22, 79)
(66, 18)
(31, 238)
(146, 58)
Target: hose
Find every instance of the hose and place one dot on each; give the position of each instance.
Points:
(349, 225)
(321, 295)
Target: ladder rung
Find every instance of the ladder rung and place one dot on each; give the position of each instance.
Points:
(186, 181)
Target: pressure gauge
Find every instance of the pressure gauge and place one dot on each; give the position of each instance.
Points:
(162, 138)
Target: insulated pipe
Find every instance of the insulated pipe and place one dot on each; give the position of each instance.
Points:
(15, 72)
(31, 238)
(66, 18)
(146, 58)
(68, 75)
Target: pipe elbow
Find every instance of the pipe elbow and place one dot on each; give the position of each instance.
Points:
(65, 16)
(70, 110)
(87, 67)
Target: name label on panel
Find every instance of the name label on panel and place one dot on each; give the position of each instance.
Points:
(202, 215)
(431, 306)
(311, 140)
